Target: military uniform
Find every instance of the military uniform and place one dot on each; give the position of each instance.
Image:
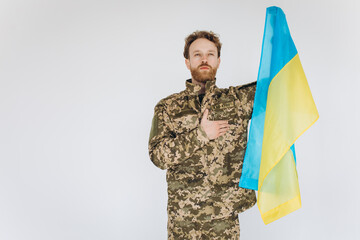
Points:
(202, 174)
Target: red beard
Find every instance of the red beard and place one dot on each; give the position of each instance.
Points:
(203, 75)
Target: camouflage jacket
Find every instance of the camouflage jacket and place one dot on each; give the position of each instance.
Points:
(202, 174)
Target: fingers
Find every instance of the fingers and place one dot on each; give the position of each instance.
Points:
(222, 121)
(222, 125)
(220, 134)
(224, 129)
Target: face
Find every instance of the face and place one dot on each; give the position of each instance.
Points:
(203, 60)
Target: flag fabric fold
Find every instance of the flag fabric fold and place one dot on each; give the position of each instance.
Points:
(283, 110)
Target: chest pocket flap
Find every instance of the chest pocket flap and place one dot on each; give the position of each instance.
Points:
(224, 111)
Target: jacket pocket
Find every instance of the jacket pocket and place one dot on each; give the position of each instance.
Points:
(224, 111)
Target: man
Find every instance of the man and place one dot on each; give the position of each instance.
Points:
(199, 135)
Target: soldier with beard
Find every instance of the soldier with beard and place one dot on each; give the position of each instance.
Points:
(199, 135)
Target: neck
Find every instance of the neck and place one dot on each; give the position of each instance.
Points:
(202, 84)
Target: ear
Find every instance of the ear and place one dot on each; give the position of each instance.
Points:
(187, 63)
(219, 60)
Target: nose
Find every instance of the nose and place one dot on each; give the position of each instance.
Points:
(204, 59)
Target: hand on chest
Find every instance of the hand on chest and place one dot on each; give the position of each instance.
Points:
(187, 115)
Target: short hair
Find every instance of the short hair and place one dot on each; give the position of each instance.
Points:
(211, 36)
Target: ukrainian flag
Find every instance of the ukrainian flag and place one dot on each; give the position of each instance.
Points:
(283, 110)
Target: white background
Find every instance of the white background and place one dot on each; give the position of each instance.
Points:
(78, 84)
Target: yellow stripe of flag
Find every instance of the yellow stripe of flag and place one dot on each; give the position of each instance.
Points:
(290, 111)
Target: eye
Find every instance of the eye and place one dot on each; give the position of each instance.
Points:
(197, 54)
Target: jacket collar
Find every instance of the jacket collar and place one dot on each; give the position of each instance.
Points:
(192, 88)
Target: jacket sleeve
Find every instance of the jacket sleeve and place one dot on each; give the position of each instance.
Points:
(166, 148)
(246, 94)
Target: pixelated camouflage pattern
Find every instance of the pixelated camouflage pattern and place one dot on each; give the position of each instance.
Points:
(202, 174)
(219, 229)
